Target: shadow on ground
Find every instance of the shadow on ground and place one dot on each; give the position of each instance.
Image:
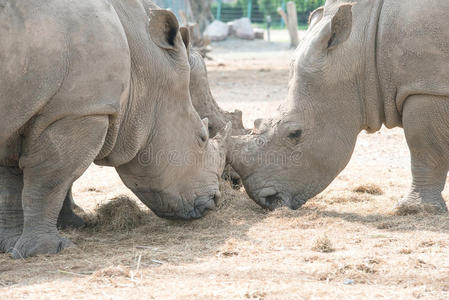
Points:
(156, 242)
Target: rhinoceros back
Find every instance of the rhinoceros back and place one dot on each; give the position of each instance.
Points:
(58, 59)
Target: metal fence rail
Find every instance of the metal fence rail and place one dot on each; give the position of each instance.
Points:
(174, 5)
(256, 10)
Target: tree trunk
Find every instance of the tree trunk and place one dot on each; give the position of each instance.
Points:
(291, 21)
(201, 12)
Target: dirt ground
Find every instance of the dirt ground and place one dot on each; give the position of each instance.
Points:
(343, 244)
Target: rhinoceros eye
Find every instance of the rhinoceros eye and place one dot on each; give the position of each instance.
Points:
(295, 135)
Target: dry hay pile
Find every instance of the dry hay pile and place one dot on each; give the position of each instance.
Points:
(370, 188)
(120, 214)
(323, 244)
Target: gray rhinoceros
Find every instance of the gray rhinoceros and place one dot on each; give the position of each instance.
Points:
(360, 65)
(206, 106)
(96, 81)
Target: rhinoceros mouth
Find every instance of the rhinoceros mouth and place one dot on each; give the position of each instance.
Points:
(271, 198)
(298, 201)
(177, 208)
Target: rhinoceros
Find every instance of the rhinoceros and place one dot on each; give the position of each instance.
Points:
(104, 81)
(204, 102)
(361, 64)
(206, 106)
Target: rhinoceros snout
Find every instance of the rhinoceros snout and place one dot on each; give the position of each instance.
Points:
(176, 207)
(298, 201)
(203, 204)
(270, 199)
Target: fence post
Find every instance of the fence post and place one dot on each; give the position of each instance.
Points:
(283, 6)
(218, 17)
(250, 8)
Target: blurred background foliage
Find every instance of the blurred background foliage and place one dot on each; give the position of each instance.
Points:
(260, 9)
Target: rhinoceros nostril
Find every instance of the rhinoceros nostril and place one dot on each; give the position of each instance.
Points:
(274, 201)
(216, 197)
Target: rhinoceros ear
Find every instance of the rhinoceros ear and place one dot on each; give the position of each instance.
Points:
(258, 123)
(224, 133)
(164, 28)
(185, 38)
(316, 16)
(341, 25)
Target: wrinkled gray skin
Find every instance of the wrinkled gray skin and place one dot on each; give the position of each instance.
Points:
(357, 67)
(204, 102)
(206, 106)
(86, 81)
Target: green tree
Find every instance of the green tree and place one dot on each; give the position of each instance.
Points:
(201, 10)
(269, 7)
(304, 7)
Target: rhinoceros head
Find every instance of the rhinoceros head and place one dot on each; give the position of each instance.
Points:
(292, 157)
(175, 171)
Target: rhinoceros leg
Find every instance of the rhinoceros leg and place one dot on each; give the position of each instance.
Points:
(426, 126)
(51, 162)
(67, 217)
(11, 213)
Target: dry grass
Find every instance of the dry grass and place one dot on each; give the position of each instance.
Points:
(407, 210)
(324, 245)
(120, 214)
(235, 251)
(371, 189)
(112, 272)
(241, 251)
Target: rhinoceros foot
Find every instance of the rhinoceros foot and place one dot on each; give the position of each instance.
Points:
(8, 239)
(71, 220)
(67, 217)
(413, 205)
(37, 244)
